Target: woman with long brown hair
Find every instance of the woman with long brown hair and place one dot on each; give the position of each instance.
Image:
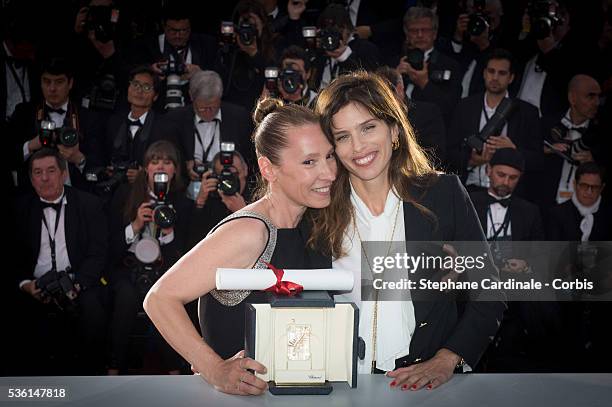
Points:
(386, 190)
(132, 228)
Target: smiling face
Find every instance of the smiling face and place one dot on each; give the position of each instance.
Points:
(307, 168)
(363, 143)
(141, 91)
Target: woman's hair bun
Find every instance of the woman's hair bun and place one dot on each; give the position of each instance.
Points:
(264, 108)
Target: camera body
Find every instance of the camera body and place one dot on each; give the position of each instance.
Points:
(105, 184)
(51, 136)
(329, 39)
(103, 94)
(309, 33)
(102, 20)
(164, 215)
(227, 181)
(291, 81)
(479, 20)
(247, 33)
(60, 288)
(544, 18)
(416, 58)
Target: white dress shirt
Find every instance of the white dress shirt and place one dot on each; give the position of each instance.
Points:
(44, 263)
(134, 129)
(395, 319)
(495, 219)
(330, 68)
(478, 175)
(532, 84)
(208, 131)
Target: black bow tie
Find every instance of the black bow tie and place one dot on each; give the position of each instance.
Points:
(131, 123)
(503, 202)
(55, 206)
(59, 111)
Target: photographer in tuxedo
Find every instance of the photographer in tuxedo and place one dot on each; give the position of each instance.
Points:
(62, 243)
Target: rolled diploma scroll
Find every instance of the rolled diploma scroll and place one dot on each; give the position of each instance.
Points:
(260, 279)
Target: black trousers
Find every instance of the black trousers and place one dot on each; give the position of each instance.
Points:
(53, 342)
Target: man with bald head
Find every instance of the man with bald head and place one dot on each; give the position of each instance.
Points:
(573, 139)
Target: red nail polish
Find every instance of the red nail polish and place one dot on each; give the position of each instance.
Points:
(393, 383)
(404, 387)
(414, 387)
(429, 387)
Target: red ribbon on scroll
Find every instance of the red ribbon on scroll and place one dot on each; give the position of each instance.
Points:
(282, 287)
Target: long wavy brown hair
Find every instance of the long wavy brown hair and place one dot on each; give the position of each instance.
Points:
(410, 166)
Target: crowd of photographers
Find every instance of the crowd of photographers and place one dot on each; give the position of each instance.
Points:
(129, 140)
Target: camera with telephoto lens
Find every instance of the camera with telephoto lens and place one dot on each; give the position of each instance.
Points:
(227, 181)
(329, 39)
(479, 20)
(164, 215)
(309, 33)
(145, 275)
(501, 252)
(59, 288)
(105, 184)
(103, 94)
(559, 134)
(173, 69)
(543, 17)
(495, 124)
(291, 80)
(51, 137)
(271, 76)
(200, 169)
(102, 20)
(247, 33)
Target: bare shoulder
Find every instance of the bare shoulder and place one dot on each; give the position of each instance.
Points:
(245, 237)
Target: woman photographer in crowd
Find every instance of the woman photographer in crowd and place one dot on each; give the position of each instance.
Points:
(297, 167)
(392, 193)
(148, 226)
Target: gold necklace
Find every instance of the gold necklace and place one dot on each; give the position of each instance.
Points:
(375, 314)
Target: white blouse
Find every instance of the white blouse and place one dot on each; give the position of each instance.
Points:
(395, 319)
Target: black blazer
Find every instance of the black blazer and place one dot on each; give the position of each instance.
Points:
(439, 324)
(236, 125)
(523, 130)
(155, 128)
(118, 247)
(525, 219)
(563, 223)
(426, 119)
(86, 232)
(364, 55)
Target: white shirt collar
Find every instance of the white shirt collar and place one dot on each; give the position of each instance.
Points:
(567, 121)
(492, 109)
(141, 118)
(274, 12)
(62, 198)
(6, 49)
(63, 106)
(427, 54)
(217, 117)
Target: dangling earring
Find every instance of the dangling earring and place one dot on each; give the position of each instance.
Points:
(395, 144)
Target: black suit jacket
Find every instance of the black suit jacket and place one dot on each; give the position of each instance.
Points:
(33, 79)
(203, 51)
(117, 146)
(563, 223)
(439, 324)
(427, 121)
(364, 55)
(86, 235)
(236, 125)
(525, 219)
(523, 130)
